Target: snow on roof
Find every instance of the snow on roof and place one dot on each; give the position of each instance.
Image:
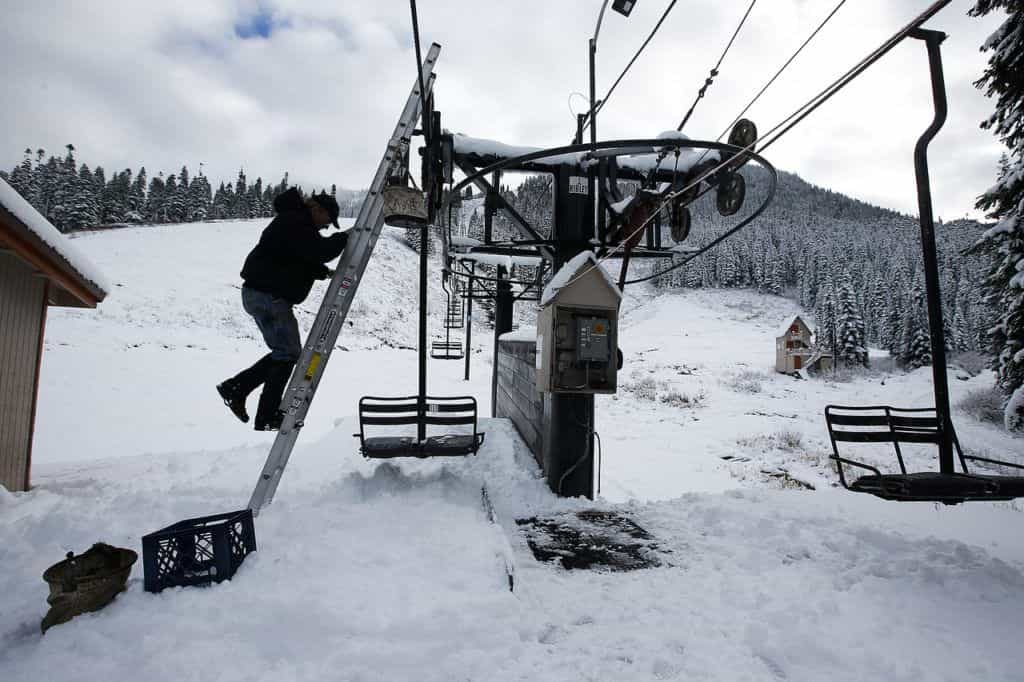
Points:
(567, 274)
(39, 226)
(522, 334)
(785, 328)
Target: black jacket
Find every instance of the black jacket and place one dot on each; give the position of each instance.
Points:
(291, 253)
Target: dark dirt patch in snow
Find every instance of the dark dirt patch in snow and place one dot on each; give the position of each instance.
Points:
(592, 539)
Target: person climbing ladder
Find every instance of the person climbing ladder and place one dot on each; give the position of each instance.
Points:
(278, 274)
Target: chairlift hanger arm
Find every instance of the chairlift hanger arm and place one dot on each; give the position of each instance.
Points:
(481, 183)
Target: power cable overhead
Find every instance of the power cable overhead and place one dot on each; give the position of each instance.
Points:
(770, 138)
(782, 68)
(714, 71)
(622, 75)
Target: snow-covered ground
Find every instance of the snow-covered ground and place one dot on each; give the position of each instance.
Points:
(391, 571)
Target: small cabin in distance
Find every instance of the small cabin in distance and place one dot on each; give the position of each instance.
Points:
(794, 348)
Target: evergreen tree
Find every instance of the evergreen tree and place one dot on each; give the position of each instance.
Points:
(63, 184)
(1004, 243)
(82, 204)
(155, 211)
(20, 178)
(136, 210)
(915, 343)
(850, 341)
(240, 207)
(173, 209)
(198, 199)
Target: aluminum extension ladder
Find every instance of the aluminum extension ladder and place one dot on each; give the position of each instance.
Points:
(334, 308)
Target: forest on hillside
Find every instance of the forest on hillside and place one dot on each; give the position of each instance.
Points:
(73, 196)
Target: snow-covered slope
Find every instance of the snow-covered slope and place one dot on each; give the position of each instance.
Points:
(391, 571)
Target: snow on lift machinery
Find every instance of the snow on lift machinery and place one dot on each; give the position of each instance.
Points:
(674, 172)
(411, 208)
(933, 426)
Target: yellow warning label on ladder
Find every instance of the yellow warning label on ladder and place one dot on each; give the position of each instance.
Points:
(311, 368)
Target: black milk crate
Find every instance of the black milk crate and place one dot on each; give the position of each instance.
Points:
(197, 551)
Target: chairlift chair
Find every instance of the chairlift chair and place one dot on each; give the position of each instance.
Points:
(376, 411)
(879, 424)
(449, 348)
(408, 207)
(886, 424)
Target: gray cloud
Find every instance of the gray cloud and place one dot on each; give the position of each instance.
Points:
(166, 85)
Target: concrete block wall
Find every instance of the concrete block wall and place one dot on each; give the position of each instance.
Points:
(517, 396)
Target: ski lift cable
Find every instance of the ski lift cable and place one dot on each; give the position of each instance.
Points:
(714, 71)
(782, 68)
(622, 75)
(786, 124)
(707, 83)
(793, 119)
(778, 73)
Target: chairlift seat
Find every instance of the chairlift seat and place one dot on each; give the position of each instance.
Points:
(929, 486)
(886, 424)
(446, 350)
(375, 411)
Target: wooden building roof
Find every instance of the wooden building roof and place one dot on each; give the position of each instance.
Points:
(74, 281)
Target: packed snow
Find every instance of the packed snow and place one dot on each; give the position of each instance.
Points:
(35, 223)
(392, 571)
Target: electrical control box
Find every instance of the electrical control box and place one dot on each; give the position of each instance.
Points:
(577, 334)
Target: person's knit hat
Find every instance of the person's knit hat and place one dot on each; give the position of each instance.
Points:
(329, 204)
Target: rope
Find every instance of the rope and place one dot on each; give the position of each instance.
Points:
(714, 71)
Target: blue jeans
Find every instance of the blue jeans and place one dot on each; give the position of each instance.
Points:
(277, 323)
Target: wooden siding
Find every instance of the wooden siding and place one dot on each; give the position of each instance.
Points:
(22, 311)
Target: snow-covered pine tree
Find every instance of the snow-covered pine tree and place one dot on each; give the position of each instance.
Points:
(1004, 202)
(172, 207)
(21, 177)
(137, 198)
(83, 202)
(62, 181)
(155, 199)
(199, 198)
(915, 343)
(99, 182)
(240, 206)
(851, 348)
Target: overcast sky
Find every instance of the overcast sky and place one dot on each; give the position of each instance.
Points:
(315, 88)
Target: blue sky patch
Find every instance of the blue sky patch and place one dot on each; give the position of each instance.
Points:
(259, 25)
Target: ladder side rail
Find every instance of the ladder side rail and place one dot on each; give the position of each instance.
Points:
(337, 301)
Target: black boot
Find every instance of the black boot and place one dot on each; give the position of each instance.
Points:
(235, 390)
(268, 414)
